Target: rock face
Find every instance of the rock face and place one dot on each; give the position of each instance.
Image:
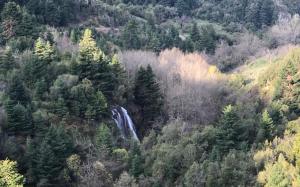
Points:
(124, 122)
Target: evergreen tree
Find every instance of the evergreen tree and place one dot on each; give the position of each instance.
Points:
(119, 80)
(18, 119)
(195, 34)
(266, 12)
(27, 25)
(228, 135)
(182, 7)
(43, 50)
(40, 88)
(41, 124)
(51, 155)
(48, 167)
(207, 40)
(267, 125)
(17, 91)
(85, 101)
(88, 51)
(7, 62)
(135, 160)
(213, 175)
(130, 36)
(104, 138)
(60, 107)
(11, 17)
(36, 73)
(193, 177)
(94, 65)
(148, 97)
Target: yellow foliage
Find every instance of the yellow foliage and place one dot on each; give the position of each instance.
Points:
(213, 70)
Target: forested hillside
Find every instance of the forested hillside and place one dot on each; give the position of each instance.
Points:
(150, 93)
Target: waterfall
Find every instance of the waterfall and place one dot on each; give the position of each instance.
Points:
(124, 122)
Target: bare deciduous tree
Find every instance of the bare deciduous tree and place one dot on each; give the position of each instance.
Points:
(286, 30)
(193, 89)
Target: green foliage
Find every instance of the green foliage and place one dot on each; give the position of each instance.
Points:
(194, 176)
(36, 72)
(278, 160)
(135, 160)
(182, 7)
(11, 18)
(130, 36)
(103, 138)
(43, 50)
(88, 50)
(49, 81)
(86, 102)
(228, 136)
(266, 126)
(49, 157)
(7, 62)
(9, 175)
(148, 98)
(57, 12)
(95, 66)
(120, 154)
(18, 119)
(77, 98)
(17, 91)
(16, 22)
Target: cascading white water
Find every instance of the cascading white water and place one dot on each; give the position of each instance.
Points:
(124, 122)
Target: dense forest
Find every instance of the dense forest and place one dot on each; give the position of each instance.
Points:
(150, 93)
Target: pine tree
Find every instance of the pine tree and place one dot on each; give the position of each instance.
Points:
(41, 125)
(60, 107)
(266, 12)
(130, 36)
(182, 7)
(51, 156)
(213, 174)
(19, 120)
(94, 65)
(11, 18)
(88, 51)
(36, 73)
(148, 97)
(27, 25)
(43, 50)
(194, 176)
(40, 88)
(87, 102)
(267, 125)
(100, 105)
(17, 91)
(195, 34)
(227, 137)
(135, 160)
(48, 166)
(7, 62)
(104, 138)
(118, 80)
(207, 40)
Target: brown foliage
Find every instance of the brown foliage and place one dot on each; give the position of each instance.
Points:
(193, 89)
